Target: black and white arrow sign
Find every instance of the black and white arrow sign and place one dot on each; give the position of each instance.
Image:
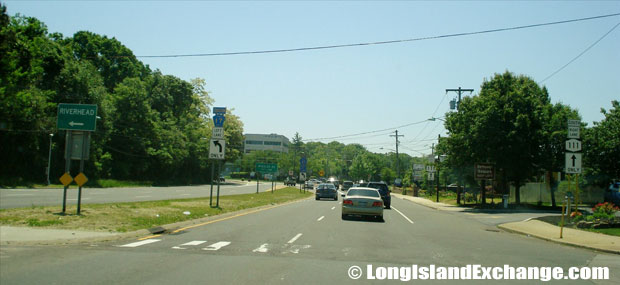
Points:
(217, 150)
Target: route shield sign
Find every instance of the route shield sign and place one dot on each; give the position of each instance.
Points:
(573, 145)
(217, 149)
(77, 117)
(573, 163)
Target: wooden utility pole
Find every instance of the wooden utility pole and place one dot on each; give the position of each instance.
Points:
(397, 159)
(459, 91)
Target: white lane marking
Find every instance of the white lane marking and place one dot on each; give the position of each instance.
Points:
(294, 238)
(320, 218)
(402, 215)
(217, 245)
(142, 196)
(15, 195)
(334, 207)
(196, 242)
(262, 249)
(527, 220)
(296, 248)
(186, 194)
(139, 243)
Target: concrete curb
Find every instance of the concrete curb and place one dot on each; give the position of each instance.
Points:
(148, 232)
(506, 227)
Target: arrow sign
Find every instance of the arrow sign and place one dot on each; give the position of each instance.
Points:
(573, 163)
(217, 150)
(72, 123)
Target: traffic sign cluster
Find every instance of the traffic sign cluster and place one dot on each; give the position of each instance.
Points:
(573, 148)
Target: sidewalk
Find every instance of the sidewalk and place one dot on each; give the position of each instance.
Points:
(540, 229)
(24, 235)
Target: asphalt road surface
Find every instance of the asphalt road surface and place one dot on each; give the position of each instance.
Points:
(15, 198)
(304, 242)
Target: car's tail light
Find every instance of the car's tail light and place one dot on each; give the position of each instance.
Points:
(347, 202)
(377, 204)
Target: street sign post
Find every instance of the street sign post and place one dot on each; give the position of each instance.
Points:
(77, 117)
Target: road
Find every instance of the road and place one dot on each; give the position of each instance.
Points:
(15, 198)
(304, 242)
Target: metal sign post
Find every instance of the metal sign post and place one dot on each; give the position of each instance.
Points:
(68, 140)
(217, 150)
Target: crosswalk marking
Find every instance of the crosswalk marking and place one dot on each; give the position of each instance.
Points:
(295, 248)
(262, 249)
(139, 243)
(217, 245)
(196, 242)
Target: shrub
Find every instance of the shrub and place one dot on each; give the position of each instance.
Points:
(605, 211)
(576, 216)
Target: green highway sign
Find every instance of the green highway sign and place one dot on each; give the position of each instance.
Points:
(77, 117)
(266, 168)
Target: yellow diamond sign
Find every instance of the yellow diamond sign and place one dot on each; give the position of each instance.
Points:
(66, 179)
(322, 173)
(81, 179)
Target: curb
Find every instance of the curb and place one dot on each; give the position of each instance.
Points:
(503, 227)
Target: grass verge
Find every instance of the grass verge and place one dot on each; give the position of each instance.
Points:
(124, 217)
(608, 231)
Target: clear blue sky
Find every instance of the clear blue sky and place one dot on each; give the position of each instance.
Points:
(328, 93)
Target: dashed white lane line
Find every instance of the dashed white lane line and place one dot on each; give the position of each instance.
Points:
(142, 196)
(217, 245)
(334, 207)
(262, 249)
(320, 218)
(402, 215)
(294, 238)
(17, 195)
(139, 243)
(196, 242)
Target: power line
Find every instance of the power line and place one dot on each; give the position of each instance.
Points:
(381, 42)
(579, 55)
(365, 133)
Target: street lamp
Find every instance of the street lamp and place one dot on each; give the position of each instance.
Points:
(49, 160)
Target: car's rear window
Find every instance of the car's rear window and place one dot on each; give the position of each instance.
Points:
(381, 187)
(363, 192)
(327, 186)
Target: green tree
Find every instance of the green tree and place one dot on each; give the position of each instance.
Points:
(503, 125)
(601, 145)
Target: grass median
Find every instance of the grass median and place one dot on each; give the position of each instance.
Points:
(131, 216)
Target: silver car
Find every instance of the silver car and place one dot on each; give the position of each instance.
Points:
(362, 201)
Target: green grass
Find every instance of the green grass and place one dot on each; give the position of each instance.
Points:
(100, 183)
(609, 231)
(123, 217)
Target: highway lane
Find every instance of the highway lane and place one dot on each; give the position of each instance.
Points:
(15, 198)
(303, 242)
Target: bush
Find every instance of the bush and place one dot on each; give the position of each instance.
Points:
(576, 216)
(605, 211)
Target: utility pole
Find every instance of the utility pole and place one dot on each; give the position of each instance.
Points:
(437, 163)
(459, 91)
(458, 103)
(397, 159)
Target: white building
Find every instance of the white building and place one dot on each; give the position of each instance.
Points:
(272, 142)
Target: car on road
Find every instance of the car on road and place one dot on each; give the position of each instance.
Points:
(326, 190)
(346, 185)
(612, 193)
(289, 181)
(362, 201)
(383, 189)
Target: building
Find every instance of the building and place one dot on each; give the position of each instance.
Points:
(272, 142)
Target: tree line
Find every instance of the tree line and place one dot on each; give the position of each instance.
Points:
(150, 126)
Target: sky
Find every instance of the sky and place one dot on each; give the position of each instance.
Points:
(336, 92)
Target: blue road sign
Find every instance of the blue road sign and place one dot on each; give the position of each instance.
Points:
(218, 121)
(219, 110)
(302, 164)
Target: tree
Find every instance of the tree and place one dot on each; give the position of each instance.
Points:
(503, 125)
(601, 145)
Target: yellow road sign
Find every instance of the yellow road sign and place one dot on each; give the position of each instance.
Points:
(322, 173)
(81, 179)
(66, 179)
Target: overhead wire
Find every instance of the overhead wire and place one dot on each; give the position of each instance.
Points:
(381, 42)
